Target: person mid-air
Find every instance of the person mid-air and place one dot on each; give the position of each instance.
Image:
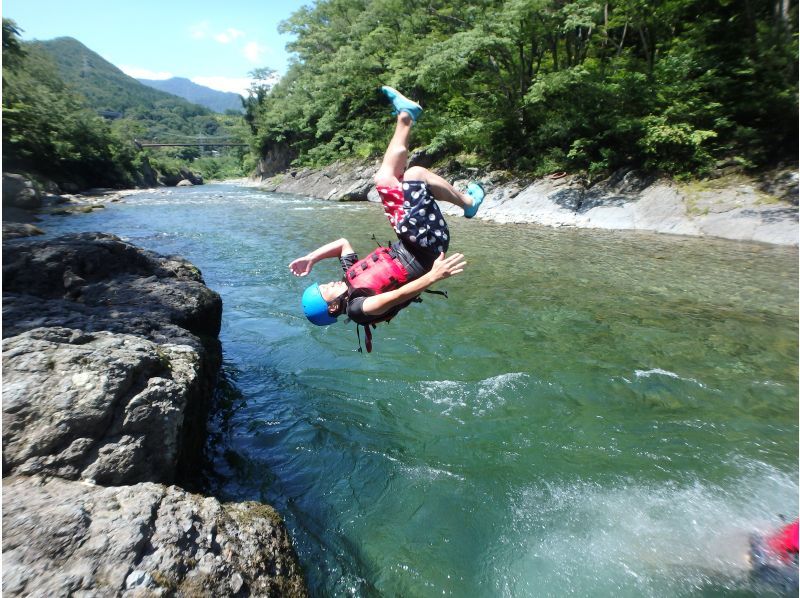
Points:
(377, 287)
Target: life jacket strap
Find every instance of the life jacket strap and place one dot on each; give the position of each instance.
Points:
(367, 337)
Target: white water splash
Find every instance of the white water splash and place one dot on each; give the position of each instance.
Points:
(635, 539)
(479, 397)
(667, 373)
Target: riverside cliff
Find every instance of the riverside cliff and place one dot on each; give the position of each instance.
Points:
(732, 206)
(110, 355)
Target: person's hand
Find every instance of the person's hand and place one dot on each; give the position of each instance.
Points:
(301, 266)
(445, 267)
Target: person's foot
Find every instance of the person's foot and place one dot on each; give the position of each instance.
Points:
(401, 103)
(476, 192)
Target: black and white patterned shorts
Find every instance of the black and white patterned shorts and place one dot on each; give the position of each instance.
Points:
(420, 223)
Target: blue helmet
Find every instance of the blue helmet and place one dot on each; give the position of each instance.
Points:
(315, 307)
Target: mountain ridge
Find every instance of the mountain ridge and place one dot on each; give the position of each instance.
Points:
(213, 99)
(104, 85)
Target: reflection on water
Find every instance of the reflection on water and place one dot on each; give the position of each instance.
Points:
(590, 412)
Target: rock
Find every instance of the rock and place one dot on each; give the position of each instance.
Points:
(185, 183)
(147, 176)
(782, 183)
(103, 407)
(173, 179)
(138, 578)
(16, 230)
(425, 157)
(68, 538)
(109, 358)
(115, 286)
(94, 282)
(277, 158)
(169, 179)
(20, 192)
(337, 182)
(193, 178)
(358, 191)
(628, 199)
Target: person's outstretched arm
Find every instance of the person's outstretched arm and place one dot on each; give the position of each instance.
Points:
(302, 265)
(443, 267)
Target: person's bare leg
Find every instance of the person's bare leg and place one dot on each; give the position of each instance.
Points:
(394, 160)
(440, 188)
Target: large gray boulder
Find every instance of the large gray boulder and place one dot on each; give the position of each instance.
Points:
(20, 192)
(63, 538)
(110, 353)
(96, 281)
(277, 158)
(98, 406)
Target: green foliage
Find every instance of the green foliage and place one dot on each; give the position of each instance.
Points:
(542, 85)
(224, 166)
(108, 90)
(49, 130)
(53, 93)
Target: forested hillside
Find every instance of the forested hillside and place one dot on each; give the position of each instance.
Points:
(49, 129)
(544, 85)
(159, 115)
(71, 116)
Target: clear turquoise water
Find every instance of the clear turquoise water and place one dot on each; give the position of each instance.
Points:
(589, 413)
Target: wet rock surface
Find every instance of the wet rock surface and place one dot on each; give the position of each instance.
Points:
(70, 538)
(110, 354)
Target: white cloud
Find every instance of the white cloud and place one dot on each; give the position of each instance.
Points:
(235, 84)
(229, 35)
(140, 73)
(200, 30)
(253, 51)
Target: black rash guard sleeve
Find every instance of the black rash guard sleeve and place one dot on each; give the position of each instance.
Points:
(355, 311)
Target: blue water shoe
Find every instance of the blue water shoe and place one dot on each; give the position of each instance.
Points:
(476, 192)
(401, 103)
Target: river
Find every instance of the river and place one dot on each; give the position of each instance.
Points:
(589, 412)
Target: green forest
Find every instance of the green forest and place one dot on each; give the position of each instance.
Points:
(536, 86)
(69, 116)
(529, 86)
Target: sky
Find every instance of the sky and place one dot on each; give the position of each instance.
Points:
(215, 44)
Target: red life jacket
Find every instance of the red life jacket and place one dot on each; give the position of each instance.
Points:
(784, 541)
(381, 271)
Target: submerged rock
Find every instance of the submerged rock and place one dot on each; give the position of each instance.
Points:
(65, 538)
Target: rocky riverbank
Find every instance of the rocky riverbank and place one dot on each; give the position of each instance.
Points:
(24, 199)
(732, 206)
(110, 354)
